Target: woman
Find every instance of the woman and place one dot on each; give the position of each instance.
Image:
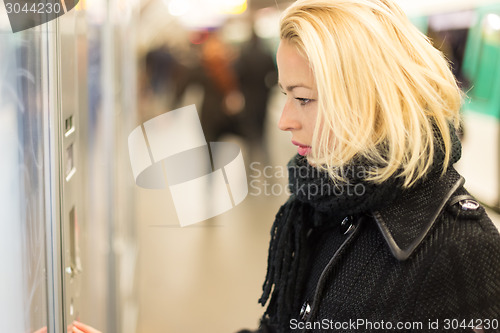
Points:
(379, 232)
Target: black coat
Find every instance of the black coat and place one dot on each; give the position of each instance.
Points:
(431, 258)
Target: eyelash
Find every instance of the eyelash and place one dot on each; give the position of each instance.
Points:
(303, 101)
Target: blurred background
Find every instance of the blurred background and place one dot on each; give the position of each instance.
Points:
(80, 241)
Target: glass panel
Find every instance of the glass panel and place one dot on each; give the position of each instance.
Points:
(22, 213)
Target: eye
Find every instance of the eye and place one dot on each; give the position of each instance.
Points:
(304, 101)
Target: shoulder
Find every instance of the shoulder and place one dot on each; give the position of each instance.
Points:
(436, 210)
(464, 277)
(441, 228)
(464, 229)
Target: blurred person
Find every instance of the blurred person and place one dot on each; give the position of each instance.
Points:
(215, 74)
(158, 82)
(256, 72)
(160, 66)
(378, 227)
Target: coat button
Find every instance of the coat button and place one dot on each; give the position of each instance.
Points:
(305, 311)
(347, 224)
(468, 204)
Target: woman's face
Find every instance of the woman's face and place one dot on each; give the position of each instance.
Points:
(297, 82)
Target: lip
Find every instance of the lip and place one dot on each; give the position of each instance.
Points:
(302, 149)
(300, 144)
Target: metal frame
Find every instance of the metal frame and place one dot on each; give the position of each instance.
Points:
(51, 108)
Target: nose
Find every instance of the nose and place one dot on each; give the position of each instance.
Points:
(288, 120)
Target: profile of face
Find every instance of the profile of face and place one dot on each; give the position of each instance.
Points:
(296, 80)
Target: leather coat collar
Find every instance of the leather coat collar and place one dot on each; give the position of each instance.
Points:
(406, 221)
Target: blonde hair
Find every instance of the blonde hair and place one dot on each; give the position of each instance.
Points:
(383, 89)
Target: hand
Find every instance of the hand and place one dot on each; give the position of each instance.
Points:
(41, 330)
(82, 328)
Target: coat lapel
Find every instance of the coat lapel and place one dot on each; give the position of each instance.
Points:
(405, 222)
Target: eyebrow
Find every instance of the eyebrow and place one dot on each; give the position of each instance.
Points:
(291, 88)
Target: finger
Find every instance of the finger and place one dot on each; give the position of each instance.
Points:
(77, 330)
(41, 330)
(84, 328)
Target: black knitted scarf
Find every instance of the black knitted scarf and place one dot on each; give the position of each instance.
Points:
(314, 202)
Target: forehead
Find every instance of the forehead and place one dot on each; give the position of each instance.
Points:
(293, 67)
(288, 54)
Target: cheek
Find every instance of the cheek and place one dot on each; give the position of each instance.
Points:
(310, 128)
(311, 122)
